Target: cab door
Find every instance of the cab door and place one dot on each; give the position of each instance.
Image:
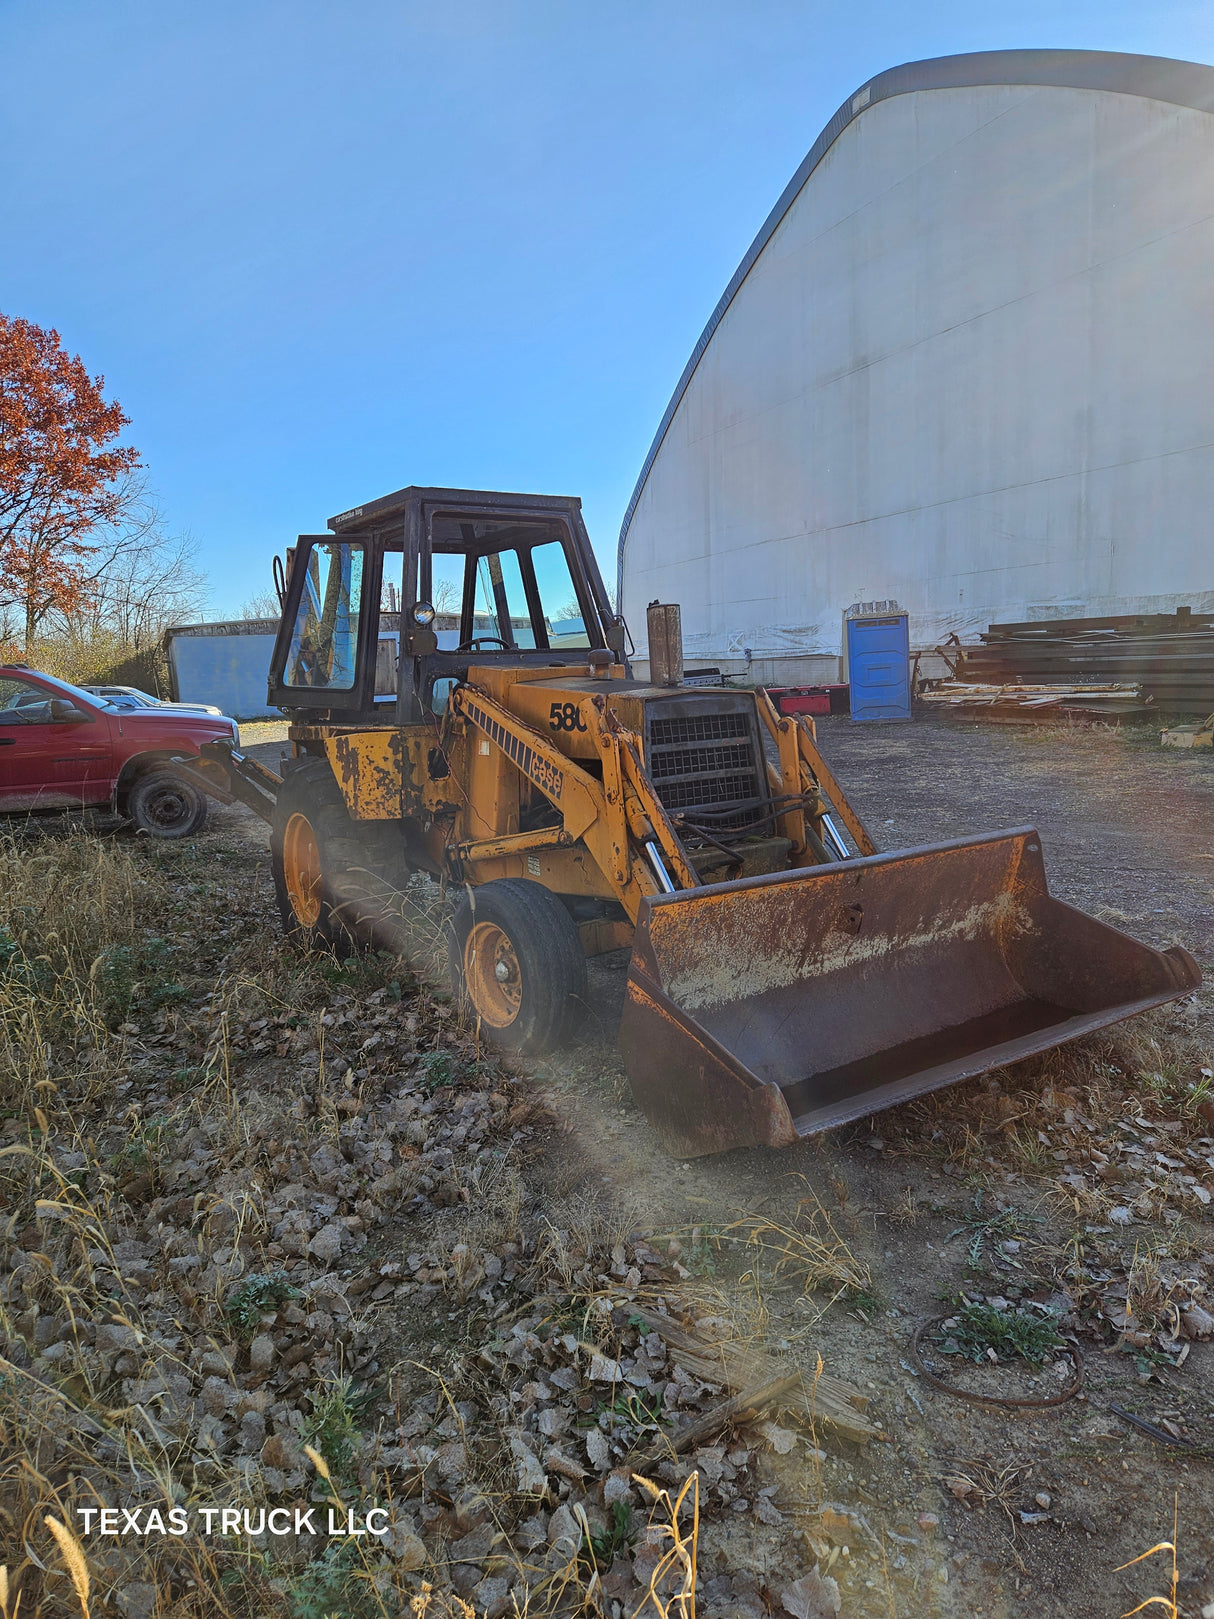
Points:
(50, 763)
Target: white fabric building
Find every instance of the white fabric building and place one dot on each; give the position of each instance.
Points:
(967, 365)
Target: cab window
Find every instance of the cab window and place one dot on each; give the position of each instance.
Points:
(558, 599)
(324, 642)
(526, 598)
(502, 612)
(23, 703)
(447, 570)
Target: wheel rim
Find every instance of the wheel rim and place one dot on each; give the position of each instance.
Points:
(492, 974)
(169, 808)
(301, 870)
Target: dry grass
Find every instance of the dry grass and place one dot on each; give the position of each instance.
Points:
(91, 932)
(981, 1482)
(1168, 1603)
(807, 1249)
(679, 1538)
(101, 946)
(73, 1556)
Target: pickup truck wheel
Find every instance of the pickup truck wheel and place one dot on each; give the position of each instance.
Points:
(163, 805)
(331, 874)
(515, 954)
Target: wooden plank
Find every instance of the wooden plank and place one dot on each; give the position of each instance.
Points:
(830, 1400)
(743, 1407)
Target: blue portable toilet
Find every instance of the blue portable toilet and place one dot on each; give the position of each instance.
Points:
(877, 647)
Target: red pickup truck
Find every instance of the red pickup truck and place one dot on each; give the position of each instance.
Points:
(63, 748)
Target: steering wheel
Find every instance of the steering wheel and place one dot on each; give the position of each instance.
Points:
(474, 645)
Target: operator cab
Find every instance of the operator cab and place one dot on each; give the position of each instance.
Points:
(385, 614)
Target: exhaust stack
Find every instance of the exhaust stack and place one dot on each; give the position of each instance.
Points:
(665, 644)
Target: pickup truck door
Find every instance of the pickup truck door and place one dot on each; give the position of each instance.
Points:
(48, 763)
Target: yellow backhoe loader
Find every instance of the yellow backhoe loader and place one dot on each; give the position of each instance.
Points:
(460, 704)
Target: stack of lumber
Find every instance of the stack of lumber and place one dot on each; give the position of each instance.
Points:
(1170, 655)
(1033, 701)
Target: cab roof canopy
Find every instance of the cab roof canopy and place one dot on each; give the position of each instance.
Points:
(374, 512)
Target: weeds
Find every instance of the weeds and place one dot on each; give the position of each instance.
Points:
(981, 1333)
(986, 1230)
(698, 1258)
(255, 1297)
(638, 1410)
(334, 1585)
(74, 1557)
(981, 1482)
(678, 1561)
(335, 1423)
(809, 1250)
(618, 1536)
(439, 1068)
(1168, 1603)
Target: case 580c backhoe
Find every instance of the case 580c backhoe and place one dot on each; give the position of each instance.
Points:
(460, 704)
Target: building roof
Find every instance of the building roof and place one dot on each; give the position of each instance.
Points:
(231, 626)
(1158, 78)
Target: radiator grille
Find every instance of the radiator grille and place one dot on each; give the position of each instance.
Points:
(697, 728)
(700, 761)
(704, 792)
(708, 778)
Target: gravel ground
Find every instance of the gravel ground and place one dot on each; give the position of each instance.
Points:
(1067, 1159)
(1125, 824)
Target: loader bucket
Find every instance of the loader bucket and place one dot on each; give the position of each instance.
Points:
(774, 1007)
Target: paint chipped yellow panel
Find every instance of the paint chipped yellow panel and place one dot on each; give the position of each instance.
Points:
(368, 767)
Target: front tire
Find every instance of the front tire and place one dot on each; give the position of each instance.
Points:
(515, 954)
(164, 805)
(331, 874)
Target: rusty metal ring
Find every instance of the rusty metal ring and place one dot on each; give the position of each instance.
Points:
(993, 1399)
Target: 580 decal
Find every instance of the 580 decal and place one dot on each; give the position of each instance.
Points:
(565, 717)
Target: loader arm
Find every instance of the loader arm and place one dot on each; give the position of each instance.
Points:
(619, 819)
(805, 776)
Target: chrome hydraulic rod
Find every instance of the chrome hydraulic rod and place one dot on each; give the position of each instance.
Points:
(659, 868)
(836, 841)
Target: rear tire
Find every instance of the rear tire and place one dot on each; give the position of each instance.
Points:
(331, 874)
(515, 954)
(164, 805)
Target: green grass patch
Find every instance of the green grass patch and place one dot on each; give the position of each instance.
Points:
(1010, 1334)
(255, 1297)
(617, 1536)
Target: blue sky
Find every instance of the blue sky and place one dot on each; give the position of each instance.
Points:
(320, 251)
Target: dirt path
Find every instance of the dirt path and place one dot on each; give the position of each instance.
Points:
(1127, 833)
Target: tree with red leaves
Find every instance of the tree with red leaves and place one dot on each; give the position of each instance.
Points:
(62, 477)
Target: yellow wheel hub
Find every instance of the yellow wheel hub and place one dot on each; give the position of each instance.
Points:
(301, 870)
(492, 974)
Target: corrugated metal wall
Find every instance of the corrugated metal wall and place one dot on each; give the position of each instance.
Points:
(970, 370)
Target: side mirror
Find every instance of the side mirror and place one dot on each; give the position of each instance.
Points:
(440, 694)
(615, 636)
(67, 713)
